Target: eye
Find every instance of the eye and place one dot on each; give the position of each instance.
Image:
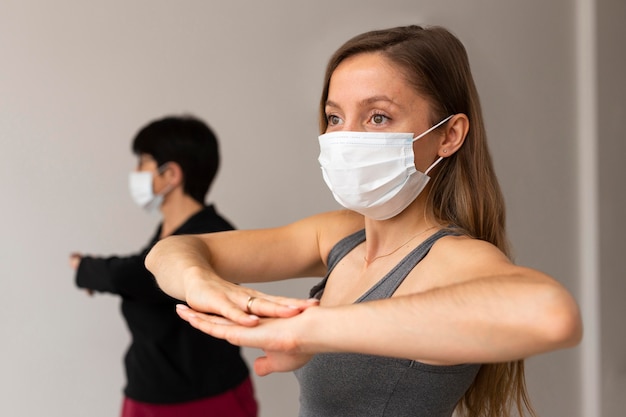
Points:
(333, 120)
(379, 119)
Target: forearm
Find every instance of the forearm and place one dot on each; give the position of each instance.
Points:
(487, 320)
(175, 257)
(94, 274)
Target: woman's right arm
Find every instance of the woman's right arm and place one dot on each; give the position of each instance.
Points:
(205, 270)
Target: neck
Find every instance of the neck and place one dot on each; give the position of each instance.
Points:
(177, 209)
(369, 258)
(387, 237)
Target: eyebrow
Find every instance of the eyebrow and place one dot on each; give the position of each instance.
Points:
(370, 100)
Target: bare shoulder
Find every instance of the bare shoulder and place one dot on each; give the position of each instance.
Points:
(331, 227)
(461, 258)
(341, 222)
(466, 249)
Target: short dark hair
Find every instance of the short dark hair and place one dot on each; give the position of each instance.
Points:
(190, 143)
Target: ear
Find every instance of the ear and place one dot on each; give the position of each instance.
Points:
(455, 132)
(173, 174)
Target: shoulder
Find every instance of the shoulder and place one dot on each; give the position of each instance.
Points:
(460, 258)
(335, 225)
(466, 248)
(328, 228)
(332, 222)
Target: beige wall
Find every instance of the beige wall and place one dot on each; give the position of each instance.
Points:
(77, 79)
(612, 204)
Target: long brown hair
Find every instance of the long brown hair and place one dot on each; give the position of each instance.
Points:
(465, 191)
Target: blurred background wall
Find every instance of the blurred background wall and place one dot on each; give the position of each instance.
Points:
(78, 79)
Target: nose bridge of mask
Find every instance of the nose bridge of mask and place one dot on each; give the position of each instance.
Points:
(373, 140)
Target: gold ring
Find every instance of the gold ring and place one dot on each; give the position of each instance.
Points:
(249, 304)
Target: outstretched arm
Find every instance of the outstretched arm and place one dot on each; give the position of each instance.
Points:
(504, 314)
(205, 270)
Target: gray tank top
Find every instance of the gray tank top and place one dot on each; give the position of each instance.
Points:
(357, 385)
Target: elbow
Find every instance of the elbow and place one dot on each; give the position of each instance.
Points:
(150, 262)
(562, 323)
(571, 332)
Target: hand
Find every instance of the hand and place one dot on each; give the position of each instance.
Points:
(240, 304)
(75, 259)
(275, 336)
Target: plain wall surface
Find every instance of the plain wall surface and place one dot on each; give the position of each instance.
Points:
(78, 79)
(612, 203)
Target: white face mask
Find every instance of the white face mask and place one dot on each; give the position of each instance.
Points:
(141, 191)
(373, 173)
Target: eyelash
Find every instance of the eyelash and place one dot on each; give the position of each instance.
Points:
(374, 114)
(329, 118)
(379, 114)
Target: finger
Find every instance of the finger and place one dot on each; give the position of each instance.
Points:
(189, 314)
(262, 366)
(224, 300)
(246, 308)
(264, 307)
(238, 315)
(271, 306)
(215, 326)
(186, 313)
(293, 302)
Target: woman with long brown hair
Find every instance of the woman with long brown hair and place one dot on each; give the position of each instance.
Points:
(421, 311)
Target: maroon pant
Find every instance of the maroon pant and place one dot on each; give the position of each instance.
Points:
(238, 402)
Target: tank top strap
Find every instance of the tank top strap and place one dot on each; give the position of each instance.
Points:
(341, 249)
(390, 282)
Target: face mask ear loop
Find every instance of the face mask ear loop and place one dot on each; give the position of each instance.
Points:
(161, 169)
(433, 128)
(169, 187)
(433, 165)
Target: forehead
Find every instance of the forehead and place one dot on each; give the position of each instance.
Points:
(367, 75)
(146, 158)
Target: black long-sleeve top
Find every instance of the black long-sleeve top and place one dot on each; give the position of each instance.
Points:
(168, 361)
